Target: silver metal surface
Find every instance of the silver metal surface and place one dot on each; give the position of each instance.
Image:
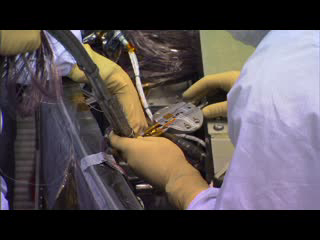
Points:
(189, 117)
(218, 127)
(222, 148)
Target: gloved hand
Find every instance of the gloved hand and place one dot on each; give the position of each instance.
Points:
(13, 42)
(163, 164)
(208, 83)
(119, 83)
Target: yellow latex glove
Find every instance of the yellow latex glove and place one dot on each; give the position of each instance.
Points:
(208, 83)
(13, 42)
(119, 83)
(163, 164)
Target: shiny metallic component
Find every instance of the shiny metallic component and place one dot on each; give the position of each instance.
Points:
(202, 105)
(121, 163)
(218, 127)
(188, 117)
(143, 187)
(90, 38)
(140, 201)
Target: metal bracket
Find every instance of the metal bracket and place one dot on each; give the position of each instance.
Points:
(188, 117)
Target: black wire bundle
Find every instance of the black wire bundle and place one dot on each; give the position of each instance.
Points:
(164, 55)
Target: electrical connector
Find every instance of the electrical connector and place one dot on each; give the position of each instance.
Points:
(134, 61)
(119, 35)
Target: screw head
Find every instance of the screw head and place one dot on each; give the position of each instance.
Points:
(218, 127)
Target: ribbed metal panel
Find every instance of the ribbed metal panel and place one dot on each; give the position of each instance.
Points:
(24, 160)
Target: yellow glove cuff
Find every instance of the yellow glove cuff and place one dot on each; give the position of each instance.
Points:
(184, 188)
(13, 42)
